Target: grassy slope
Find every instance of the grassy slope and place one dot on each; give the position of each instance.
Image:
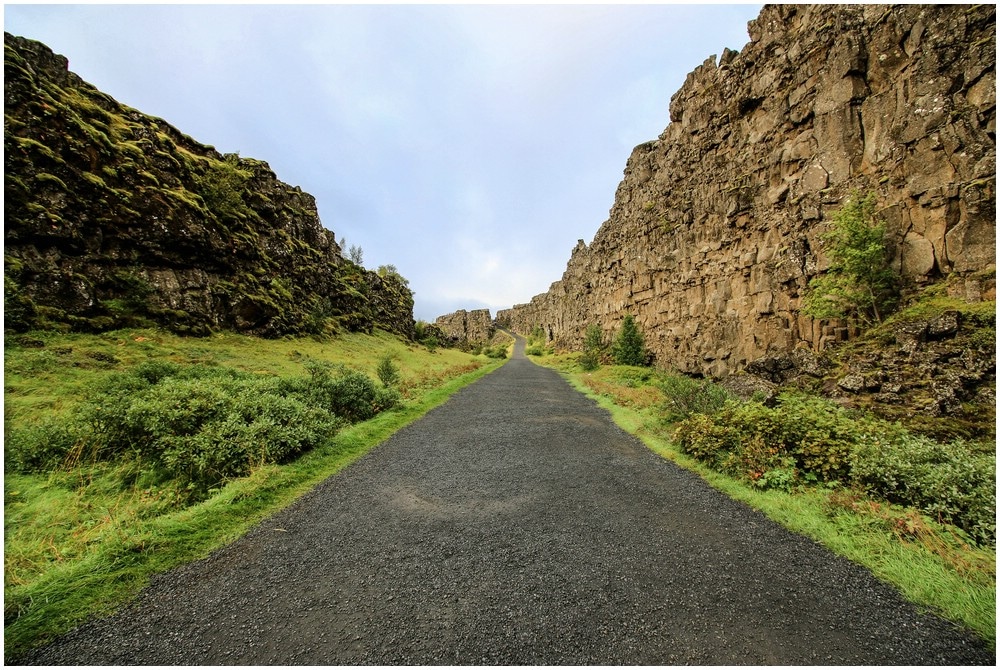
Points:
(78, 544)
(924, 563)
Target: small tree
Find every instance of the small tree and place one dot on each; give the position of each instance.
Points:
(859, 283)
(593, 347)
(629, 347)
(357, 255)
(388, 372)
(390, 272)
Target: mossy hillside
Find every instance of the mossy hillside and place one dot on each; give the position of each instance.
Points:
(94, 189)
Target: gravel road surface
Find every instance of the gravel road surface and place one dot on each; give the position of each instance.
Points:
(517, 525)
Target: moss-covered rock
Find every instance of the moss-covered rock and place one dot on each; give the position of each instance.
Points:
(116, 218)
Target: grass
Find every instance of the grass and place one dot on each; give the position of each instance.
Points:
(929, 563)
(80, 542)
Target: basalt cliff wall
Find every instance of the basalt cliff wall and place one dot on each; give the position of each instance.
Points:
(475, 326)
(714, 232)
(113, 218)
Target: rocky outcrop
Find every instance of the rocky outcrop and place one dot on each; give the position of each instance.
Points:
(467, 327)
(715, 229)
(114, 218)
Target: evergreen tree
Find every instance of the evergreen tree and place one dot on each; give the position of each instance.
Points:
(630, 347)
(593, 346)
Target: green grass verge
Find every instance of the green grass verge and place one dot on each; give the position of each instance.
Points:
(105, 541)
(930, 569)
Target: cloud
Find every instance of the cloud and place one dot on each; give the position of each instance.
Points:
(470, 146)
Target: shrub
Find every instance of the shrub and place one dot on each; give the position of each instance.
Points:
(498, 351)
(803, 438)
(764, 464)
(174, 409)
(347, 393)
(260, 427)
(199, 425)
(818, 433)
(703, 438)
(954, 482)
(684, 396)
(39, 447)
(153, 371)
(589, 361)
(223, 187)
(809, 439)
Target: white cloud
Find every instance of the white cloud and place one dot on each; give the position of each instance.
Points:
(469, 146)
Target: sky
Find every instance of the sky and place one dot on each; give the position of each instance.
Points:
(470, 146)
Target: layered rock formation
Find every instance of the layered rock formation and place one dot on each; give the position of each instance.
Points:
(114, 218)
(465, 327)
(714, 233)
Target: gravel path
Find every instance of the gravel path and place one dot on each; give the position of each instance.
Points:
(516, 524)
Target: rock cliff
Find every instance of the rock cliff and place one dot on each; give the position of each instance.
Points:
(114, 218)
(715, 228)
(465, 327)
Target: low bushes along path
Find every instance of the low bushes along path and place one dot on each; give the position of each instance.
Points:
(516, 524)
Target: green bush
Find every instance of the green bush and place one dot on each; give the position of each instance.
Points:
(39, 447)
(819, 434)
(154, 371)
(200, 425)
(589, 361)
(258, 428)
(806, 438)
(700, 436)
(499, 351)
(222, 187)
(860, 282)
(684, 396)
(954, 482)
(347, 393)
(207, 428)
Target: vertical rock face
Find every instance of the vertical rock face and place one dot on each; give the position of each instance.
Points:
(114, 218)
(714, 232)
(463, 326)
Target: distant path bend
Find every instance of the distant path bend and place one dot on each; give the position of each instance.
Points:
(516, 524)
